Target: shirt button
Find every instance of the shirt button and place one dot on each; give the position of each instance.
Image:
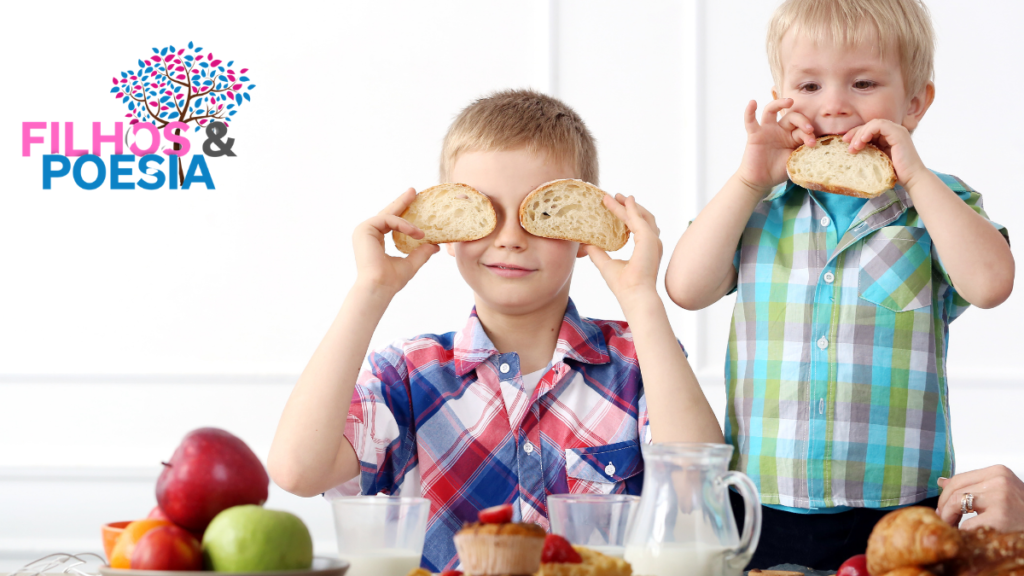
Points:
(825, 221)
(504, 368)
(610, 469)
(528, 448)
(821, 406)
(822, 343)
(829, 277)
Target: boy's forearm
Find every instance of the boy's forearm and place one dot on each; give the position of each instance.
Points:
(700, 271)
(309, 453)
(974, 253)
(676, 405)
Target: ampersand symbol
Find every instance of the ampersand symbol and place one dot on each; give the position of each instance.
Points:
(214, 132)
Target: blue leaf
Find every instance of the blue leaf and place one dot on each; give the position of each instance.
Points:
(251, 86)
(155, 51)
(131, 105)
(125, 99)
(222, 78)
(173, 115)
(233, 112)
(208, 82)
(204, 64)
(124, 74)
(230, 64)
(163, 51)
(230, 106)
(189, 57)
(114, 89)
(221, 68)
(198, 50)
(164, 99)
(148, 70)
(203, 74)
(243, 79)
(200, 112)
(140, 62)
(246, 96)
(164, 115)
(197, 128)
(238, 98)
(190, 45)
(172, 48)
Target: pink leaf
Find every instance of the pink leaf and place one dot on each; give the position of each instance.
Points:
(179, 96)
(230, 95)
(215, 62)
(127, 115)
(133, 122)
(195, 89)
(123, 80)
(181, 76)
(148, 63)
(209, 56)
(153, 103)
(201, 122)
(236, 86)
(153, 73)
(156, 58)
(221, 107)
(231, 78)
(115, 80)
(243, 70)
(133, 77)
(162, 108)
(119, 95)
(226, 124)
(230, 71)
(180, 50)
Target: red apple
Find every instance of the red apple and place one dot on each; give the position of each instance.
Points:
(211, 470)
(157, 514)
(167, 548)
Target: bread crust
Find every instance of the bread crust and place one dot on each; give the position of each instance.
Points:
(620, 241)
(827, 139)
(407, 244)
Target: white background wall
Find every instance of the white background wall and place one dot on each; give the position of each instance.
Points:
(128, 318)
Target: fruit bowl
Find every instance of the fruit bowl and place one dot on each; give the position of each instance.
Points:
(111, 532)
(321, 567)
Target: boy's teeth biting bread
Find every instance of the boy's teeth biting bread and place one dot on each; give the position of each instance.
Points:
(447, 213)
(572, 210)
(829, 167)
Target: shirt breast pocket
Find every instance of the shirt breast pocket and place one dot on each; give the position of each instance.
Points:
(604, 469)
(896, 268)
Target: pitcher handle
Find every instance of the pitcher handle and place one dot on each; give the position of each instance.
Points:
(740, 557)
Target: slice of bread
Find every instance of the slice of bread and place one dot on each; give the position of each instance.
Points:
(572, 210)
(829, 167)
(447, 213)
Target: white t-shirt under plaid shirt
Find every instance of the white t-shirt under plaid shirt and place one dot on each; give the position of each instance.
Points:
(836, 366)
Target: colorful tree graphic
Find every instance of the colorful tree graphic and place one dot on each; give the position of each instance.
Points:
(172, 86)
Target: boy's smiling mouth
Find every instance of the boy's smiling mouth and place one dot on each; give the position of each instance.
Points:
(508, 270)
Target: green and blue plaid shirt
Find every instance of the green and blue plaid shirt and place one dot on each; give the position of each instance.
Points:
(836, 367)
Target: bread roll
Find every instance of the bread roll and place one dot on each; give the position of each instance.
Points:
(447, 213)
(572, 210)
(914, 536)
(830, 167)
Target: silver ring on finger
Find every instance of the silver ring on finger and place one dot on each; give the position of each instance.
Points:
(967, 503)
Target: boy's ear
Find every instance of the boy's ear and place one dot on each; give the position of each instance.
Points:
(775, 93)
(450, 248)
(918, 105)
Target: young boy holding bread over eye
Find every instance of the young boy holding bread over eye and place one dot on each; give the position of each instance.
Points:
(846, 278)
(529, 398)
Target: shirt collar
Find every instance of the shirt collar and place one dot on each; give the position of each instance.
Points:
(579, 339)
(882, 208)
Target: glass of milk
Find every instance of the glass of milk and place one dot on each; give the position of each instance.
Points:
(597, 521)
(380, 535)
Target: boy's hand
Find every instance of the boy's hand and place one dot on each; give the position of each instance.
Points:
(895, 141)
(638, 275)
(375, 269)
(770, 143)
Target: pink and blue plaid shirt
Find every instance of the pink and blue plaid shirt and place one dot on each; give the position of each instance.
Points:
(445, 417)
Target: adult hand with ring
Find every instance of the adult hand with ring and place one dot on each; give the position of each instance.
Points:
(995, 493)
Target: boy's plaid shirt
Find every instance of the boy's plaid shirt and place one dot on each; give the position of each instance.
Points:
(445, 417)
(836, 367)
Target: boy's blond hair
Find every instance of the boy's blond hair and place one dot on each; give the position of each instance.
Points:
(903, 26)
(513, 119)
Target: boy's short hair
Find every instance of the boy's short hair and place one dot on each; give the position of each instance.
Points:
(513, 119)
(902, 25)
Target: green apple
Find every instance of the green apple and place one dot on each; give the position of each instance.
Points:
(251, 538)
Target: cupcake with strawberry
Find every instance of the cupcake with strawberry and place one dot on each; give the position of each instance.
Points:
(559, 558)
(497, 546)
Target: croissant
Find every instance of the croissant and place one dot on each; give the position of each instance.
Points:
(914, 536)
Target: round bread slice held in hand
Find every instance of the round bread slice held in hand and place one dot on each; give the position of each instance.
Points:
(830, 167)
(447, 213)
(572, 210)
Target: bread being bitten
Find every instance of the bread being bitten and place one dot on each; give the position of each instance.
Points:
(829, 166)
(572, 210)
(910, 537)
(447, 213)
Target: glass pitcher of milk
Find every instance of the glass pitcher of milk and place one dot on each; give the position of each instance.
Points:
(685, 524)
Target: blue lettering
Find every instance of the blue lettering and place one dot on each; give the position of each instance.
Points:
(48, 172)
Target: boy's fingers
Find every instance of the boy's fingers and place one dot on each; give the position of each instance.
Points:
(597, 256)
(387, 222)
(750, 118)
(418, 257)
(401, 203)
(636, 216)
(771, 111)
(803, 131)
(616, 207)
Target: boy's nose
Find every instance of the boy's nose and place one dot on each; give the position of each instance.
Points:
(510, 234)
(835, 104)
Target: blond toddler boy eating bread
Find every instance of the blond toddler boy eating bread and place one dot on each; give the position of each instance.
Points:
(835, 372)
(529, 398)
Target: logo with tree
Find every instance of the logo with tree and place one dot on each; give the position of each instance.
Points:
(182, 86)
